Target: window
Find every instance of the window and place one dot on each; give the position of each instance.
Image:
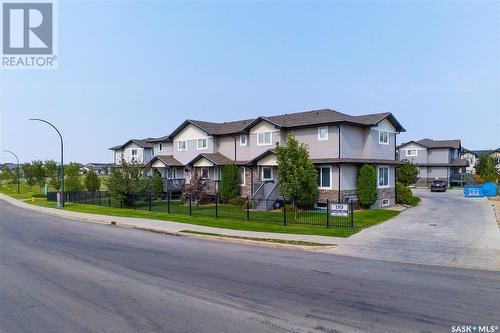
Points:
(242, 176)
(411, 152)
(243, 140)
(264, 139)
(324, 177)
(181, 145)
(171, 173)
(267, 173)
(322, 133)
(385, 202)
(204, 173)
(134, 152)
(160, 147)
(383, 137)
(202, 143)
(383, 177)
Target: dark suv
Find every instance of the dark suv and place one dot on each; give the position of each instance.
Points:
(438, 185)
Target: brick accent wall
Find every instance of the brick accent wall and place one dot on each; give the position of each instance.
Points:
(247, 189)
(386, 193)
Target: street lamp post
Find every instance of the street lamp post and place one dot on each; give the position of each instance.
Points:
(18, 170)
(62, 157)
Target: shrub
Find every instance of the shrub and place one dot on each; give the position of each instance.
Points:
(367, 185)
(403, 194)
(486, 168)
(52, 171)
(156, 184)
(72, 181)
(92, 181)
(237, 201)
(195, 189)
(407, 174)
(229, 182)
(126, 179)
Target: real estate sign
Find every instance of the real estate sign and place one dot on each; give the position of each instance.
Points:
(339, 209)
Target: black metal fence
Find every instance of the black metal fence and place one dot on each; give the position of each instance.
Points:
(280, 212)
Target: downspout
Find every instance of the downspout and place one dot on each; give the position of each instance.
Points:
(338, 166)
(234, 148)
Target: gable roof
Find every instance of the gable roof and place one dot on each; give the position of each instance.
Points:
(430, 144)
(254, 160)
(484, 151)
(169, 160)
(215, 158)
(144, 143)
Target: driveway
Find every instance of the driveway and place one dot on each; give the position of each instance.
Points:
(444, 229)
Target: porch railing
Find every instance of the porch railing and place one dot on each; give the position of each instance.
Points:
(173, 184)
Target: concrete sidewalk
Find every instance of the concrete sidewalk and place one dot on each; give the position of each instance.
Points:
(168, 227)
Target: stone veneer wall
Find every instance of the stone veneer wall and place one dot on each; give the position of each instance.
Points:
(247, 189)
(385, 193)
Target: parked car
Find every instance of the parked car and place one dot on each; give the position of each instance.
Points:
(438, 186)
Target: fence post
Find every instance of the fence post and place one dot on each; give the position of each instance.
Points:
(168, 202)
(150, 200)
(284, 212)
(91, 198)
(217, 205)
(100, 203)
(133, 200)
(248, 208)
(109, 200)
(351, 206)
(327, 213)
(190, 206)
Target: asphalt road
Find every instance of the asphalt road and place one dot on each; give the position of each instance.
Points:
(60, 275)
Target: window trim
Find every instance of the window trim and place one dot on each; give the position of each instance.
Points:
(388, 176)
(319, 133)
(411, 149)
(179, 145)
(270, 139)
(243, 144)
(262, 173)
(244, 176)
(320, 175)
(380, 134)
(202, 147)
(385, 204)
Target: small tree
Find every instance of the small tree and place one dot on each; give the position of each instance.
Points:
(156, 184)
(72, 181)
(91, 181)
(407, 174)
(29, 174)
(39, 173)
(486, 168)
(6, 174)
(297, 177)
(367, 185)
(196, 188)
(127, 179)
(52, 171)
(229, 182)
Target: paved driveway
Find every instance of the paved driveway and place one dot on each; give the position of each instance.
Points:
(444, 229)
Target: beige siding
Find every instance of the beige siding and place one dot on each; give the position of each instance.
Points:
(353, 141)
(318, 149)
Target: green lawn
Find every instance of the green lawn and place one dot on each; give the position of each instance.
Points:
(230, 217)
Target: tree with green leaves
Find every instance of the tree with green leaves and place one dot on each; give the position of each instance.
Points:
(367, 185)
(486, 168)
(229, 182)
(297, 177)
(72, 181)
(156, 184)
(91, 181)
(38, 173)
(6, 174)
(126, 179)
(407, 174)
(29, 174)
(52, 171)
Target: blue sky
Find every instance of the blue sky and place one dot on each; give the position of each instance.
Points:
(138, 69)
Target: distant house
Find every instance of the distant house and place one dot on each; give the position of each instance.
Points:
(435, 159)
(137, 150)
(471, 158)
(101, 169)
(10, 166)
(493, 153)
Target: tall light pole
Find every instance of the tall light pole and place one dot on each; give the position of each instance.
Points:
(62, 157)
(18, 170)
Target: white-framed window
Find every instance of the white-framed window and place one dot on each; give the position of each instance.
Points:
(181, 145)
(205, 173)
(202, 144)
(411, 152)
(242, 176)
(264, 138)
(383, 137)
(385, 202)
(322, 133)
(267, 173)
(324, 176)
(134, 152)
(160, 148)
(243, 140)
(171, 173)
(383, 176)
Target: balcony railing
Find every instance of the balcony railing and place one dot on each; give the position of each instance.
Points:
(173, 184)
(211, 186)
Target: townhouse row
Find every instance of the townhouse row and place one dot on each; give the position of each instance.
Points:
(338, 145)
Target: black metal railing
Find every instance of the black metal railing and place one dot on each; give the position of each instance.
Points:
(324, 214)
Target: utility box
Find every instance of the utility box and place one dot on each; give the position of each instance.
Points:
(480, 190)
(59, 197)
